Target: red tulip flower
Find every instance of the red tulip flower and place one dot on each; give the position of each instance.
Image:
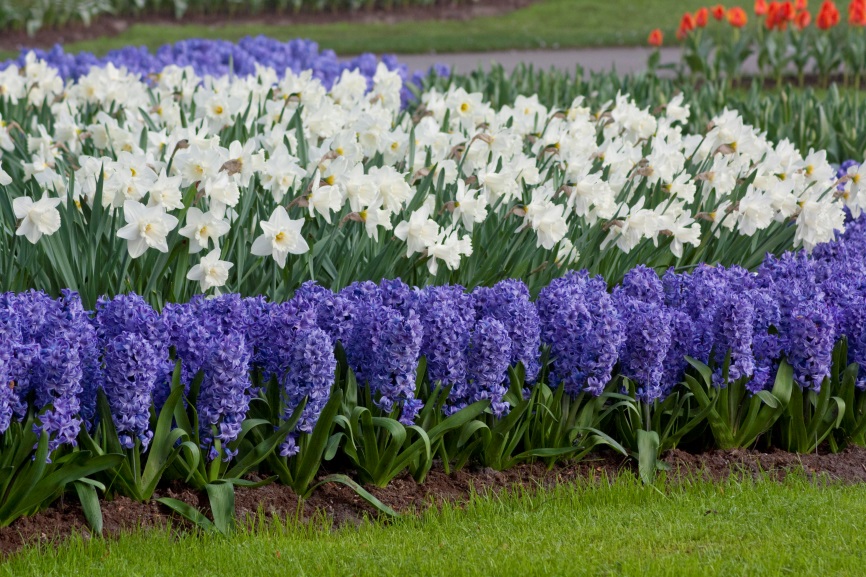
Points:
(802, 19)
(656, 38)
(737, 17)
(702, 16)
(760, 7)
(828, 16)
(687, 24)
(857, 13)
(718, 12)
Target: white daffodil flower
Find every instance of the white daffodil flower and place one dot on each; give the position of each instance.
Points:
(282, 237)
(147, 227)
(202, 228)
(469, 207)
(210, 272)
(420, 231)
(37, 218)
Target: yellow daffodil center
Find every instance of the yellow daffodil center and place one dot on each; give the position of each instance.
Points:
(280, 236)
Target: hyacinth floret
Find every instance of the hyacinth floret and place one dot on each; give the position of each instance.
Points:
(395, 293)
(808, 343)
(447, 316)
(682, 345)
(131, 313)
(792, 278)
(59, 372)
(705, 285)
(257, 310)
(643, 284)
(508, 302)
(284, 322)
(733, 335)
(333, 311)
(766, 345)
(189, 337)
(8, 399)
(16, 359)
(581, 325)
(603, 343)
(131, 371)
(307, 374)
(396, 340)
(675, 286)
(489, 359)
(225, 393)
(56, 371)
(646, 344)
(225, 314)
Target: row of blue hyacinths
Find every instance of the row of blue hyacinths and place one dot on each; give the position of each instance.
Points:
(384, 378)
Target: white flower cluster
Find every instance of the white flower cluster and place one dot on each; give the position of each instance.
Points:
(176, 143)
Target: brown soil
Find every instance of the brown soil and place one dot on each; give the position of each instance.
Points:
(112, 26)
(342, 505)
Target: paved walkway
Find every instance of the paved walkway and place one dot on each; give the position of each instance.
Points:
(623, 59)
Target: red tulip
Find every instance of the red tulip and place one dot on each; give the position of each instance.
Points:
(857, 13)
(687, 24)
(828, 16)
(656, 38)
(737, 17)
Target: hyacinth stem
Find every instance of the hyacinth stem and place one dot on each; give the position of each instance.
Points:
(135, 456)
(647, 417)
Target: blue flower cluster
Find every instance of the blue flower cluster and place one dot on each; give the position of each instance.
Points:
(225, 393)
(55, 356)
(220, 58)
(47, 348)
(508, 302)
(584, 331)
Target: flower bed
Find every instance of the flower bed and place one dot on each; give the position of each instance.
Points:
(386, 377)
(194, 184)
(787, 40)
(177, 185)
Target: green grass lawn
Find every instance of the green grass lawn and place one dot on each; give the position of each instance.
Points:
(545, 24)
(751, 528)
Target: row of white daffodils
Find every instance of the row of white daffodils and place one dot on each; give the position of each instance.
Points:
(178, 152)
